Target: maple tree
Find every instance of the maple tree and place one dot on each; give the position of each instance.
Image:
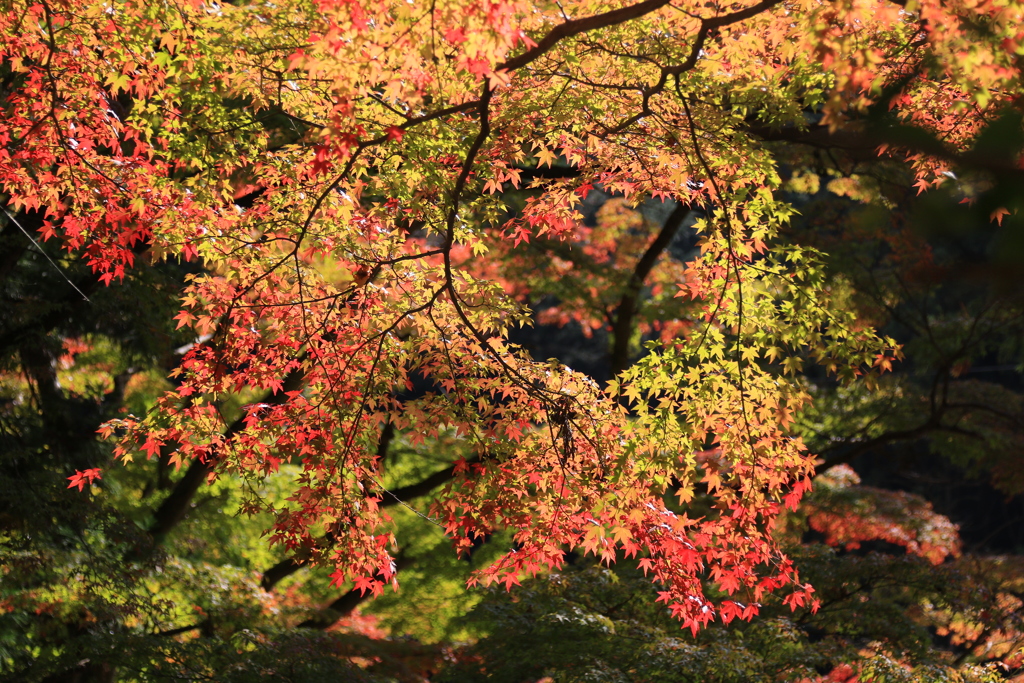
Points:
(367, 196)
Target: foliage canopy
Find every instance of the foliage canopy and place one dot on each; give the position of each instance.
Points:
(363, 203)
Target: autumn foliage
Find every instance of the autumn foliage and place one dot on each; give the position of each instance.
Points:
(340, 174)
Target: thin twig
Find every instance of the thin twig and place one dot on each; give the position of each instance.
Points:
(40, 250)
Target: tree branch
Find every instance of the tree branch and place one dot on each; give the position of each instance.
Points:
(173, 509)
(578, 26)
(706, 27)
(289, 566)
(863, 144)
(13, 245)
(709, 25)
(629, 305)
(861, 447)
(346, 603)
(182, 629)
(423, 487)
(57, 312)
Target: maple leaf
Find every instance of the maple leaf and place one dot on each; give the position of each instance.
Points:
(455, 35)
(81, 478)
(997, 215)
(365, 584)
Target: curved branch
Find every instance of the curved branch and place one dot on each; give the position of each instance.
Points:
(863, 144)
(578, 26)
(629, 305)
(861, 447)
(173, 509)
(709, 25)
(183, 629)
(706, 27)
(346, 603)
(289, 566)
